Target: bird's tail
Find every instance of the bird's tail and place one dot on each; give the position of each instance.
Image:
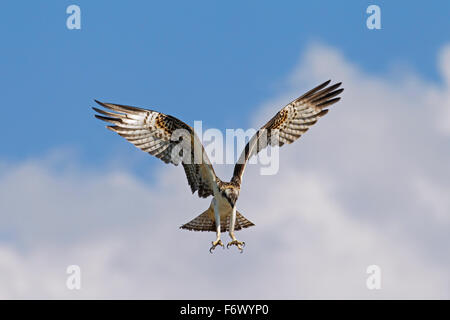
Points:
(205, 222)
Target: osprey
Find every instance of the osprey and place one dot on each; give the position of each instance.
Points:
(173, 141)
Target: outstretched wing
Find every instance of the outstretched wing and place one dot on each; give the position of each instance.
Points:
(164, 137)
(289, 123)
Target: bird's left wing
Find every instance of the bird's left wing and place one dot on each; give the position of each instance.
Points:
(289, 123)
(164, 137)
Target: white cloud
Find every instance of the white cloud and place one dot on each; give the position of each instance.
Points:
(440, 97)
(367, 185)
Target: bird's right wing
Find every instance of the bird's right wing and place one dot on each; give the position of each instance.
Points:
(289, 123)
(164, 137)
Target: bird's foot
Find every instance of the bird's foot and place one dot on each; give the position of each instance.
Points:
(239, 244)
(216, 243)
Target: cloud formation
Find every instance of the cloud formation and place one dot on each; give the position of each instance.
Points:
(367, 185)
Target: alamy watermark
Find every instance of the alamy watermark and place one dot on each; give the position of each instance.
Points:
(73, 281)
(237, 146)
(373, 22)
(74, 20)
(373, 282)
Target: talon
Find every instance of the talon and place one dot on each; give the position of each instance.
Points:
(216, 243)
(238, 244)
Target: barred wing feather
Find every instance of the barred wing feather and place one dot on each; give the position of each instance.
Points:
(164, 137)
(290, 123)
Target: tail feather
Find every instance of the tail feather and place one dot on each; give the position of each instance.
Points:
(204, 223)
(242, 222)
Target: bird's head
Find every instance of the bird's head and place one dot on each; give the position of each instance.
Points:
(231, 193)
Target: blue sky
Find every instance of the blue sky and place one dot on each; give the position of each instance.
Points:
(198, 60)
(367, 185)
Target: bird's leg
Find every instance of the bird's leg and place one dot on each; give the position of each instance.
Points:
(234, 241)
(218, 242)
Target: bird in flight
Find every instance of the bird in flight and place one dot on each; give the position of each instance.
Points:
(173, 141)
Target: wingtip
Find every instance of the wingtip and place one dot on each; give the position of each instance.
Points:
(112, 128)
(107, 119)
(94, 108)
(335, 100)
(99, 102)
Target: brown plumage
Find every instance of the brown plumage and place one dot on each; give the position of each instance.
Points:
(205, 222)
(290, 123)
(164, 137)
(173, 141)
